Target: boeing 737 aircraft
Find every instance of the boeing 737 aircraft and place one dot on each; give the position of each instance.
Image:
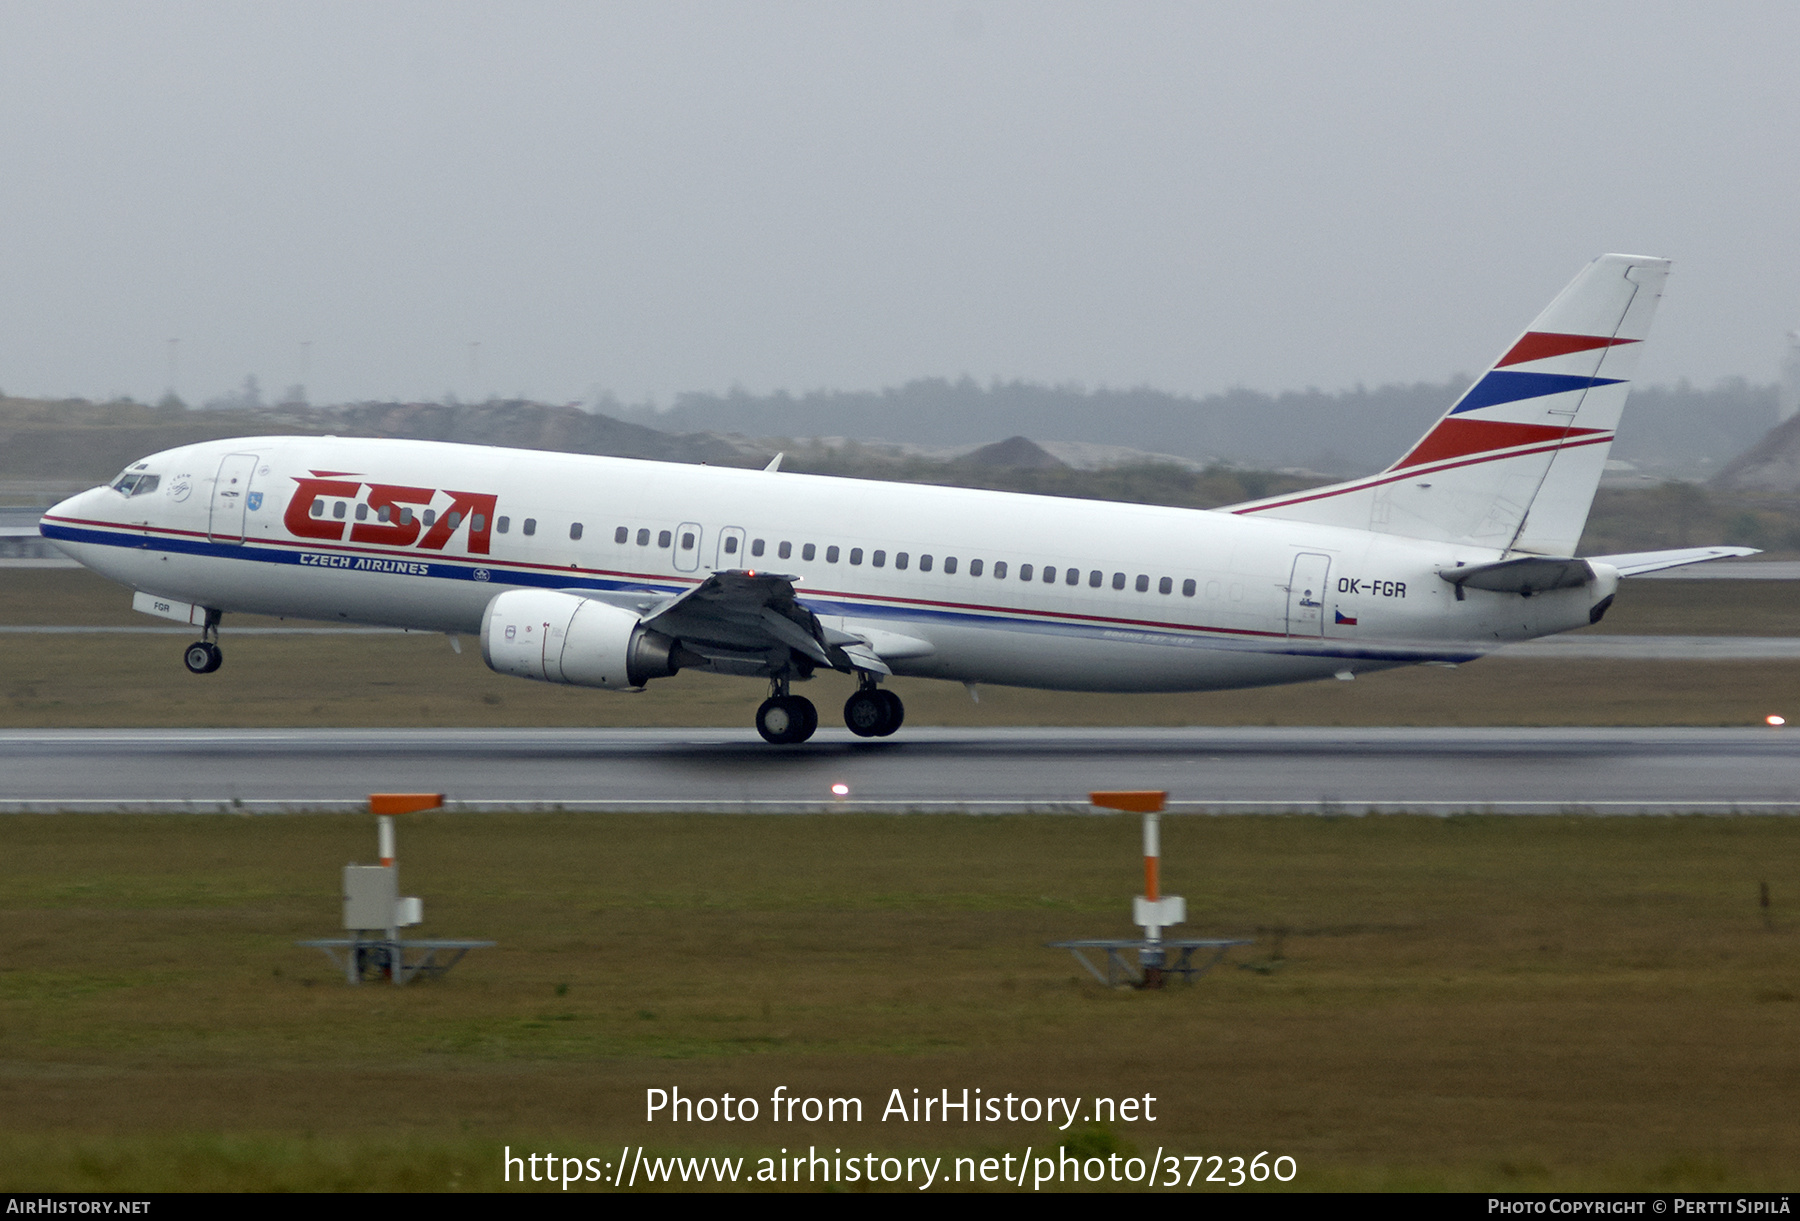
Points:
(609, 572)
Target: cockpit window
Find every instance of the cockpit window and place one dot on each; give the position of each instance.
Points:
(132, 483)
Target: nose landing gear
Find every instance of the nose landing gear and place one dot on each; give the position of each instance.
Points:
(204, 655)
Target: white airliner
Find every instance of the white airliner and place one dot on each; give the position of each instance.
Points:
(610, 572)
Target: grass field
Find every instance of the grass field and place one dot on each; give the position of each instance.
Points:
(394, 680)
(1473, 1003)
(1434, 1003)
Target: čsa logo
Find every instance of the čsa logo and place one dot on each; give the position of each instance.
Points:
(405, 507)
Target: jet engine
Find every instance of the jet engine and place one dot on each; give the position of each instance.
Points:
(565, 638)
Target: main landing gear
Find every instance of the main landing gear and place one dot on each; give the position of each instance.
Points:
(786, 719)
(203, 656)
(873, 713)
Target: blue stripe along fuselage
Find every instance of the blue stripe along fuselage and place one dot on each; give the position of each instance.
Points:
(503, 573)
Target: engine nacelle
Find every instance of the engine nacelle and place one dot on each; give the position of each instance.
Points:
(564, 638)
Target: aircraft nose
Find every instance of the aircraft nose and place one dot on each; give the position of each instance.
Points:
(74, 506)
(56, 525)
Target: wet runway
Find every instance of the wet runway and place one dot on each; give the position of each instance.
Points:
(981, 771)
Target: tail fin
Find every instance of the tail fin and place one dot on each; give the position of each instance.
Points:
(1515, 462)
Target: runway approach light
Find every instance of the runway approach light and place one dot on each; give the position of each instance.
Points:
(374, 912)
(1152, 910)
(1776, 721)
(840, 790)
(1158, 957)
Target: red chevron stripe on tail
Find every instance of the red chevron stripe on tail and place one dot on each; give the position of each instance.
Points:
(1542, 345)
(1458, 438)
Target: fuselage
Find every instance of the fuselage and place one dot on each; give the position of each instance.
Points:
(969, 585)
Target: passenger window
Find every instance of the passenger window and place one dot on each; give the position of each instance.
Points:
(1024, 571)
(807, 552)
(1118, 580)
(381, 514)
(900, 559)
(643, 538)
(731, 544)
(687, 540)
(622, 534)
(831, 554)
(455, 520)
(1187, 588)
(664, 538)
(1095, 578)
(1049, 575)
(318, 509)
(1000, 571)
(878, 559)
(337, 510)
(856, 555)
(477, 523)
(528, 529)
(1143, 583)
(501, 524)
(1074, 577)
(974, 567)
(756, 547)
(574, 529)
(431, 516)
(1165, 586)
(785, 550)
(949, 565)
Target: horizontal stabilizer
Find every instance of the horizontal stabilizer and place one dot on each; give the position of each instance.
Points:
(1637, 563)
(1530, 575)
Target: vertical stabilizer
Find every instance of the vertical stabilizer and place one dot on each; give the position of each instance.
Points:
(1515, 462)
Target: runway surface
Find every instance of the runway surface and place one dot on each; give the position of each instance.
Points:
(983, 771)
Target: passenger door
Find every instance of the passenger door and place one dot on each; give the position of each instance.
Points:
(230, 498)
(1306, 595)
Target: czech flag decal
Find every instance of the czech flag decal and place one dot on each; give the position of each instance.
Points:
(1343, 619)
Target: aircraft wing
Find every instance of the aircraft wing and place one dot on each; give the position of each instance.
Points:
(749, 622)
(743, 623)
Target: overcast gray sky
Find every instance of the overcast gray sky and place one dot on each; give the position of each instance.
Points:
(661, 197)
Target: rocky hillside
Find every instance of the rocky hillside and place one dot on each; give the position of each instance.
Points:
(75, 439)
(1772, 465)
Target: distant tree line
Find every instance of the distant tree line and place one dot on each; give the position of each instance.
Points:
(1681, 430)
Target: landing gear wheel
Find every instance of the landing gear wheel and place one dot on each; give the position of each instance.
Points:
(786, 719)
(895, 709)
(868, 713)
(203, 657)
